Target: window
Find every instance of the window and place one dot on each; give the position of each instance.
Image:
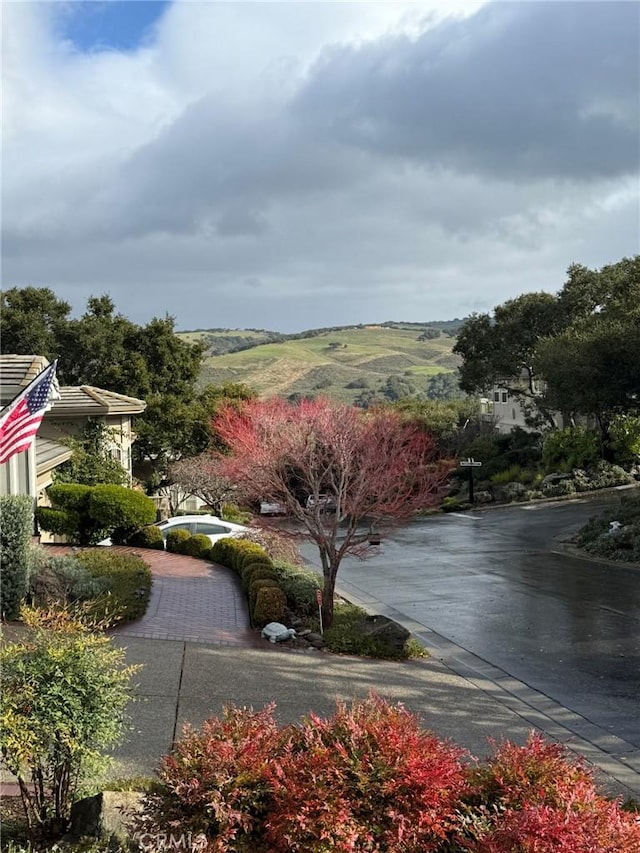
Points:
(211, 529)
(505, 396)
(496, 396)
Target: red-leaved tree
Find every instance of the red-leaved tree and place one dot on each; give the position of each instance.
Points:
(371, 469)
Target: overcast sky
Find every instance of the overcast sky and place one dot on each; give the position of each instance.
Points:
(294, 165)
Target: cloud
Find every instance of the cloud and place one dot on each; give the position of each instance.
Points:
(296, 165)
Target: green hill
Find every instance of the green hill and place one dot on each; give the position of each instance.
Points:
(350, 363)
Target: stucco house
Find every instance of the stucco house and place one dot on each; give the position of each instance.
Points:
(30, 472)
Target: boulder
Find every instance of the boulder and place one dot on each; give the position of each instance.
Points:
(389, 632)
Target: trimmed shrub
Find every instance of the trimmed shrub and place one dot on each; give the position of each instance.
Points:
(254, 589)
(276, 543)
(87, 514)
(148, 537)
(269, 607)
(16, 531)
(198, 546)
(244, 552)
(120, 510)
(221, 552)
(176, 541)
(251, 571)
(300, 587)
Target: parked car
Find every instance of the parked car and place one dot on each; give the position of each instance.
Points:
(212, 526)
(272, 508)
(327, 503)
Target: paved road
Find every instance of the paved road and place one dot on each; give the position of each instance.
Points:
(495, 586)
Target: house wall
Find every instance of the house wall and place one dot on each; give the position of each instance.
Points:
(18, 474)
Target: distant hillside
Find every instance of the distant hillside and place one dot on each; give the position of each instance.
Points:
(351, 363)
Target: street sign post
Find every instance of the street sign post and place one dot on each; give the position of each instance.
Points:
(470, 464)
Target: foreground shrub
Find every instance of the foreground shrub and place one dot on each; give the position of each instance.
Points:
(534, 799)
(596, 538)
(16, 531)
(367, 778)
(214, 783)
(64, 692)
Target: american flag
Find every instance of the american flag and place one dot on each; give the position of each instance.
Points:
(20, 420)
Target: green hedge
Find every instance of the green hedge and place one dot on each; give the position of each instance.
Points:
(300, 587)
(16, 531)
(198, 546)
(269, 607)
(147, 537)
(176, 541)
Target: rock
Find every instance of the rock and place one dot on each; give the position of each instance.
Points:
(509, 492)
(553, 479)
(108, 816)
(315, 640)
(483, 497)
(388, 631)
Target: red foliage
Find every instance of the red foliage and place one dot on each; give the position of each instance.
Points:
(214, 781)
(367, 779)
(540, 801)
(374, 467)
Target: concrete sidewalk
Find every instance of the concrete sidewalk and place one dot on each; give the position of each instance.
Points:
(199, 654)
(187, 682)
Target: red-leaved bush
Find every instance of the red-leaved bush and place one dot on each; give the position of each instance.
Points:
(367, 778)
(214, 785)
(370, 780)
(534, 799)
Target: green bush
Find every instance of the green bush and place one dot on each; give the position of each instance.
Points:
(16, 531)
(270, 605)
(299, 586)
(61, 580)
(148, 537)
(176, 541)
(254, 589)
(87, 514)
(233, 513)
(244, 552)
(120, 510)
(347, 636)
(198, 546)
(221, 552)
(65, 689)
(252, 570)
(127, 580)
(596, 539)
(569, 448)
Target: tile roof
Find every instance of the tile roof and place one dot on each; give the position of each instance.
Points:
(17, 371)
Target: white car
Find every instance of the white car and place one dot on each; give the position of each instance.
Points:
(212, 526)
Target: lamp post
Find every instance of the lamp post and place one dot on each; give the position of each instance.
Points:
(470, 464)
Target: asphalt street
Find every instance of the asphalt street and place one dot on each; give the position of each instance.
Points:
(496, 588)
